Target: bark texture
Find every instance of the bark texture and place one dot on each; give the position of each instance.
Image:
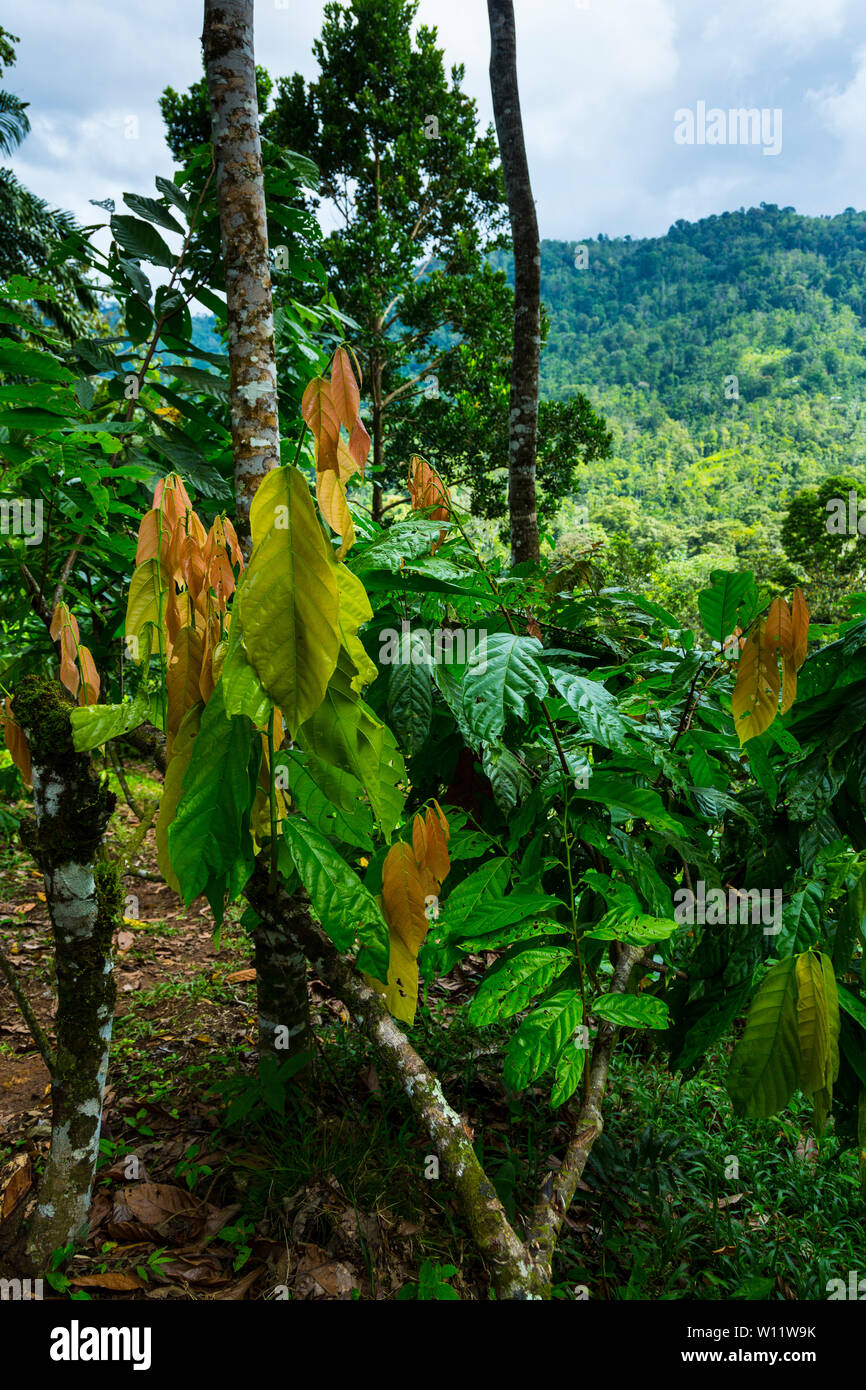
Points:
(281, 976)
(84, 898)
(523, 416)
(281, 984)
(231, 80)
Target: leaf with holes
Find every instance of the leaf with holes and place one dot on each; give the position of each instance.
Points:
(504, 677)
(513, 983)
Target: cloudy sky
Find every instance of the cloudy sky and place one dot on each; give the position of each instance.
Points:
(601, 84)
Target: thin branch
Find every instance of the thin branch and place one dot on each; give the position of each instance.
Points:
(67, 569)
(29, 1016)
(412, 380)
(40, 607)
(559, 1189)
(121, 777)
(513, 1274)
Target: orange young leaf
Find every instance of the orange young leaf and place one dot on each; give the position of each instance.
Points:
(800, 623)
(755, 700)
(344, 389)
(404, 891)
(320, 413)
(183, 674)
(331, 497)
(88, 693)
(359, 443)
(16, 742)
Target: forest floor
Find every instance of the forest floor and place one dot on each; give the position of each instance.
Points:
(214, 1182)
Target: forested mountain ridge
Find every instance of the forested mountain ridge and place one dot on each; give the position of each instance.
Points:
(728, 356)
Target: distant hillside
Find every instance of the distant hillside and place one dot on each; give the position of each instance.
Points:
(654, 330)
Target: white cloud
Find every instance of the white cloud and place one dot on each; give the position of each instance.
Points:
(844, 112)
(599, 84)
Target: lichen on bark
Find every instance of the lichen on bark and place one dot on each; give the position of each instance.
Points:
(72, 808)
(231, 81)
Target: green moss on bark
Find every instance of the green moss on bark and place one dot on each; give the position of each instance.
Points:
(75, 820)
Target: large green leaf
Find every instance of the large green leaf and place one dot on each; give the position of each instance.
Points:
(595, 707)
(765, 1067)
(141, 240)
(172, 790)
(477, 899)
(342, 904)
(508, 777)
(512, 984)
(242, 691)
(410, 697)
(817, 1022)
(504, 676)
(153, 211)
(852, 1005)
(210, 831)
(640, 802)
(492, 912)
(704, 1021)
(17, 359)
(345, 732)
(631, 1010)
(731, 601)
(541, 1037)
(851, 922)
(93, 725)
(331, 800)
(570, 1066)
(801, 921)
(289, 601)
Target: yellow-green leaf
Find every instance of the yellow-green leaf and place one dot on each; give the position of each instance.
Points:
(755, 700)
(146, 602)
(289, 602)
(355, 610)
(180, 759)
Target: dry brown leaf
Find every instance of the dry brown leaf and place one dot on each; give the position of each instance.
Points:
(112, 1279)
(18, 1185)
(318, 1272)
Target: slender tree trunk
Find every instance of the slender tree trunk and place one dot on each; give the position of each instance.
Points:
(281, 975)
(378, 431)
(512, 1271)
(281, 989)
(523, 418)
(84, 901)
(231, 80)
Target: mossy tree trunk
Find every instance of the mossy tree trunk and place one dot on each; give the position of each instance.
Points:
(84, 899)
(281, 972)
(281, 987)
